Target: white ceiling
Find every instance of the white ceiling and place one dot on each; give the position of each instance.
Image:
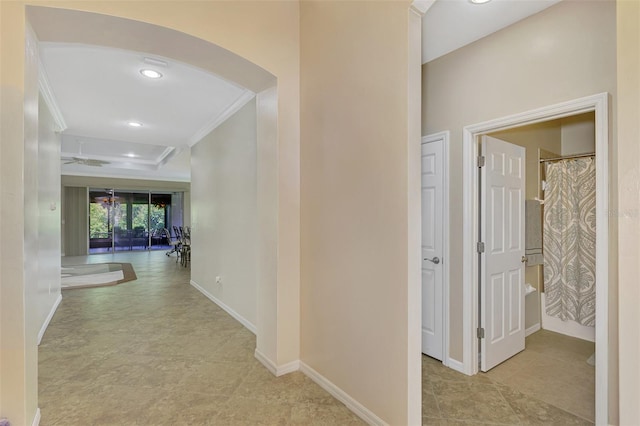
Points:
(99, 90)
(451, 24)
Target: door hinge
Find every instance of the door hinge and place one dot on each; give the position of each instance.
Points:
(480, 332)
(480, 160)
(480, 247)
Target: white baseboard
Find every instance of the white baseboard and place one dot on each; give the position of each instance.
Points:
(287, 368)
(264, 360)
(48, 319)
(36, 419)
(535, 327)
(227, 309)
(456, 365)
(275, 369)
(360, 410)
(568, 328)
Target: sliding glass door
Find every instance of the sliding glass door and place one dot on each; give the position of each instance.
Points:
(128, 220)
(101, 206)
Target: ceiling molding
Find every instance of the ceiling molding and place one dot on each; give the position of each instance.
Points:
(166, 155)
(131, 176)
(421, 6)
(49, 98)
(242, 100)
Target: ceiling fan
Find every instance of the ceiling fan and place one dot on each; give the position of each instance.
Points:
(83, 160)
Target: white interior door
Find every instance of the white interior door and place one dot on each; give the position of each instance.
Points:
(432, 243)
(502, 290)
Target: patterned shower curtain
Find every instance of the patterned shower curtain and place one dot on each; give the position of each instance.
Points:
(569, 240)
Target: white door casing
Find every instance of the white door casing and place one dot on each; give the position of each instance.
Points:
(599, 104)
(433, 171)
(502, 288)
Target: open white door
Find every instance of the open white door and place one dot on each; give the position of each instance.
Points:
(502, 289)
(432, 247)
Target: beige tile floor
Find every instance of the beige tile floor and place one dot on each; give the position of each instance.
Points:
(549, 383)
(156, 352)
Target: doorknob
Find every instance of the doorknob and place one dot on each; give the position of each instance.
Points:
(434, 260)
(524, 259)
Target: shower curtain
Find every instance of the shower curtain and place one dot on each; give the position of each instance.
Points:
(569, 240)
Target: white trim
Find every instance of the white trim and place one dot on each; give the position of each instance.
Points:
(287, 368)
(456, 365)
(264, 360)
(446, 252)
(276, 370)
(360, 410)
(598, 104)
(242, 320)
(49, 98)
(209, 126)
(469, 257)
(48, 319)
(36, 418)
(529, 331)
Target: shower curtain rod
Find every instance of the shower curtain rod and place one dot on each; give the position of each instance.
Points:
(544, 160)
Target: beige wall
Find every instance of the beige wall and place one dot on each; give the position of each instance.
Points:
(354, 161)
(628, 161)
(49, 230)
(224, 219)
(579, 134)
(563, 53)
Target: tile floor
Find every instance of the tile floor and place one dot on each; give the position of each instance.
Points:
(156, 352)
(549, 383)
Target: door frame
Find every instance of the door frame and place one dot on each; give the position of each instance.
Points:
(446, 255)
(599, 105)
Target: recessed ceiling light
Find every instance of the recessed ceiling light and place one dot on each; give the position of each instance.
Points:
(134, 124)
(479, 1)
(150, 73)
(131, 155)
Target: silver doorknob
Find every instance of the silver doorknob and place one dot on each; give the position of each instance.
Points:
(435, 260)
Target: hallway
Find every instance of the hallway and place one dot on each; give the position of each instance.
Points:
(157, 352)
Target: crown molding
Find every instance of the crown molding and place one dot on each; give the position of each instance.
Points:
(242, 100)
(49, 98)
(421, 6)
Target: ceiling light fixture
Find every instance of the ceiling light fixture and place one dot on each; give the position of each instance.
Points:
(479, 1)
(134, 124)
(150, 73)
(131, 155)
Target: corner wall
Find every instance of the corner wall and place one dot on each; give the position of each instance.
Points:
(355, 247)
(224, 214)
